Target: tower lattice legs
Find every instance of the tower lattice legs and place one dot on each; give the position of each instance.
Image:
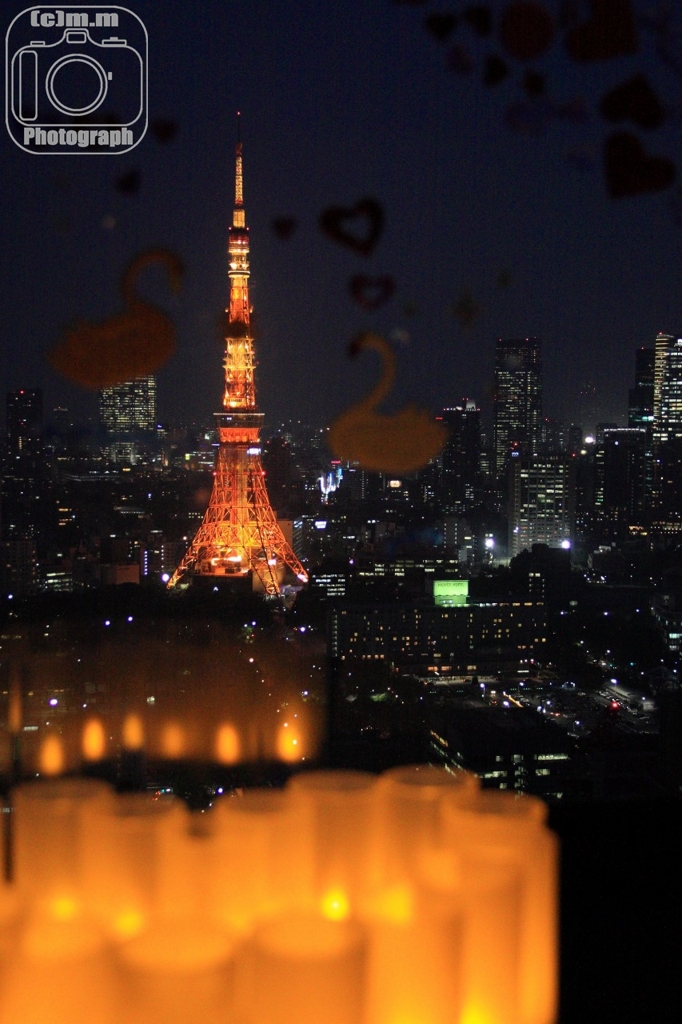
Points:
(240, 533)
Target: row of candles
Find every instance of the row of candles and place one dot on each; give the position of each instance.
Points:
(413, 897)
(72, 744)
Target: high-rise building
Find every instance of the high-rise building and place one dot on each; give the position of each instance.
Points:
(667, 427)
(552, 435)
(129, 408)
(641, 397)
(24, 475)
(517, 401)
(662, 347)
(574, 438)
(240, 538)
(541, 501)
(127, 413)
(278, 472)
(460, 489)
(24, 424)
(668, 422)
(624, 474)
(640, 417)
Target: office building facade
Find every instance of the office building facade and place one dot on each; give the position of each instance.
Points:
(541, 501)
(460, 478)
(127, 415)
(517, 401)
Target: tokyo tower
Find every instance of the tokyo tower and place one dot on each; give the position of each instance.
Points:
(239, 535)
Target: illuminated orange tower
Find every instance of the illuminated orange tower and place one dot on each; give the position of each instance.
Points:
(240, 535)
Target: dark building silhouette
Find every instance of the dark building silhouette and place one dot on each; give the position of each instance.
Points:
(517, 401)
(667, 427)
(460, 489)
(24, 466)
(624, 473)
(574, 439)
(277, 465)
(641, 396)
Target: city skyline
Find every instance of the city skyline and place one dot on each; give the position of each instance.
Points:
(494, 226)
(635, 392)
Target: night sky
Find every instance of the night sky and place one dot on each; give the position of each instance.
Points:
(498, 219)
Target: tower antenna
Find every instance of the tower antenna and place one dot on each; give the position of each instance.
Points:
(238, 179)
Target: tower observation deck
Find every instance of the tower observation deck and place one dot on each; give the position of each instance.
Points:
(239, 535)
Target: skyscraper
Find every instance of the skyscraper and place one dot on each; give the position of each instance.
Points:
(461, 458)
(668, 422)
(24, 466)
(641, 397)
(624, 474)
(662, 347)
(517, 401)
(541, 501)
(667, 427)
(24, 424)
(127, 412)
(129, 408)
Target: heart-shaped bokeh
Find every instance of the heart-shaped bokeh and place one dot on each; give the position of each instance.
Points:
(284, 227)
(630, 171)
(634, 100)
(610, 32)
(367, 216)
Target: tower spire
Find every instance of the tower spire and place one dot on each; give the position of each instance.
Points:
(238, 218)
(239, 354)
(239, 179)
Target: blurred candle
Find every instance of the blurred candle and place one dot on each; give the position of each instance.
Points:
(415, 959)
(124, 874)
(59, 971)
(339, 814)
(260, 858)
(94, 741)
(492, 904)
(409, 810)
(511, 828)
(176, 972)
(183, 846)
(51, 819)
(308, 970)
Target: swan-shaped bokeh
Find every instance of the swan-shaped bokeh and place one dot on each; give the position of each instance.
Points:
(127, 345)
(400, 442)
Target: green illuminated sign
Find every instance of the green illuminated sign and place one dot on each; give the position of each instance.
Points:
(449, 592)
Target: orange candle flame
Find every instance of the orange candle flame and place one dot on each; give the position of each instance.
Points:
(173, 740)
(52, 756)
(94, 740)
(289, 746)
(133, 732)
(14, 711)
(335, 905)
(227, 744)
